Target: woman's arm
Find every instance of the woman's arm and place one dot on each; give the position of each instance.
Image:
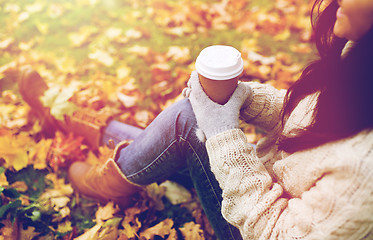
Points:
(337, 205)
(263, 108)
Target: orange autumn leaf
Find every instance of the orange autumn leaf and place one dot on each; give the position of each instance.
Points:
(66, 150)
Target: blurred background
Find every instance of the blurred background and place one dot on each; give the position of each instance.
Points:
(141, 52)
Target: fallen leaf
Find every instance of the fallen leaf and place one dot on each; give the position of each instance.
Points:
(106, 212)
(175, 192)
(102, 230)
(65, 150)
(38, 153)
(12, 150)
(162, 229)
(143, 118)
(28, 234)
(192, 231)
(91, 234)
(6, 43)
(179, 54)
(10, 230)
(123, 71)
(57, 100)
(102, 56)
(127, 101)
(131, 223)
(156, 192)
(20, 186)
(64, 227)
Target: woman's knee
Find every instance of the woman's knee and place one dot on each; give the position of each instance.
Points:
(181, 115)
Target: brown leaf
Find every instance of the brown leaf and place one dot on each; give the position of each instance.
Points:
(28, 234)
(10, 230)
(162, 229)
(20, 186)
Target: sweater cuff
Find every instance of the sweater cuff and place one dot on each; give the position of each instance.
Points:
(221, 146)
(265, 106)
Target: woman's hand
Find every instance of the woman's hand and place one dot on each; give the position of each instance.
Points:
(213, 118)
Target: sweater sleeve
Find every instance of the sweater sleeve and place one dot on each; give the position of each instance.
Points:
(264, 106)
(334, 207)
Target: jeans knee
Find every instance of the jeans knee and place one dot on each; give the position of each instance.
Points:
(182, 116)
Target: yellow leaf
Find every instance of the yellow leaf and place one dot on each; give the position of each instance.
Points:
(28, 234)
(57, 100)
(106, 212)
(20, 186)
(113, 32)
(82, 36)
(192, 231)
(127, 101)
(42, 27)
(123, 71)
(284, 35)
(102, 230)
(173, 235)
(38, 153)
(66, 64)
(143, 118)
(91, 234)
(155, 192)
(131, 223)
(162, 229)
(108, 233)
(6, 43)
(34, 8)
(102, 57)
(3, 180)
(64, 227)
(53, 199)
(57, 198)
(139, 50)
(23, 16)
(129, 230)
(133, 34)
(11, 7)
(176, 193)
(59, 184)
(13, 150)
(179, 54)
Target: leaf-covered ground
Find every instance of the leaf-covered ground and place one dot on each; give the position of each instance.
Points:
(131, 59)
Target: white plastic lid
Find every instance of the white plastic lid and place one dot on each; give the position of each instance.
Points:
(219, 62)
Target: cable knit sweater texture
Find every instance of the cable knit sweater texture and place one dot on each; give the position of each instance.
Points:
(321, 193)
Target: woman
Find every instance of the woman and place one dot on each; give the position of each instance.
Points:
(309, 178)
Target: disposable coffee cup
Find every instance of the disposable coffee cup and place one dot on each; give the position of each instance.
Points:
(219, 68)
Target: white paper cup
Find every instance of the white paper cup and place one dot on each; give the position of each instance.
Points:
(219, 68)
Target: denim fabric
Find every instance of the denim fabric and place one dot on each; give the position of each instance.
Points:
(167, 147)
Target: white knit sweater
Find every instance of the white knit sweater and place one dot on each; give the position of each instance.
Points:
(322, 193)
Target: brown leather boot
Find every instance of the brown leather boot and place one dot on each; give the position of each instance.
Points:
(83, 122)
(103, 183)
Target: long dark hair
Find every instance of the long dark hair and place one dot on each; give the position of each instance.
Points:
(345, 85)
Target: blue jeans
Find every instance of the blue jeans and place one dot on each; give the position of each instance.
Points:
(169, 146)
